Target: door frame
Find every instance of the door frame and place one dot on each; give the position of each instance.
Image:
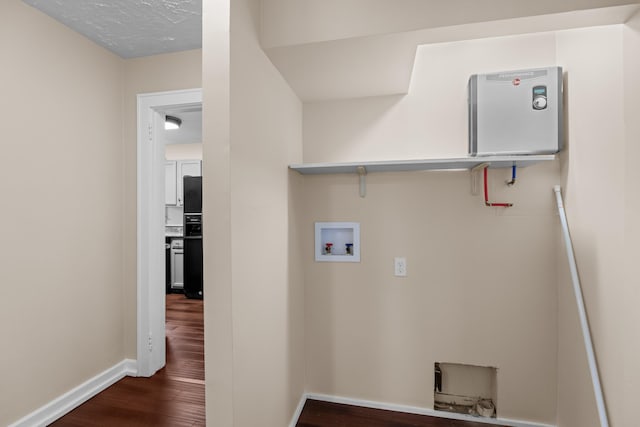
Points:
(151, 346)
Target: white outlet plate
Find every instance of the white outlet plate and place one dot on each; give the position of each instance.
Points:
(400, 266)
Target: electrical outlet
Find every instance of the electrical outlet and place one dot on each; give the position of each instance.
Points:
(400, 266)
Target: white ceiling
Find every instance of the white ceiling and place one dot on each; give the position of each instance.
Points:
(190, 131)
(131, 28)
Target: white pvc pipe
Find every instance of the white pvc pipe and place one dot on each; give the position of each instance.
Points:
(588, 344)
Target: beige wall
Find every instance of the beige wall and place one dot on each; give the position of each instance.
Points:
(431, 120)
(61, 179)
(74, 308)
(267, 280)
(372, 336)
(631, 346)
(594, 170)
(602, 206)
(480, 289)
(216, 206)
(68, 314)
(248, 199)
(159, 73)
(481, 285)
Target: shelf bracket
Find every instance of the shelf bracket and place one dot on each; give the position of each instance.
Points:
(362, 173)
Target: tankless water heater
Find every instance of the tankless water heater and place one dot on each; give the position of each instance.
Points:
(516, 112)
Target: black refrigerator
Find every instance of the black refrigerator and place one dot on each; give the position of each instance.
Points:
(192, 186)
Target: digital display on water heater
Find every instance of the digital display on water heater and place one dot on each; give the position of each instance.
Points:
(539, 98)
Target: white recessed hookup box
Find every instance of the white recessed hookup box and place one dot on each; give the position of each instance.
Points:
(337, 241)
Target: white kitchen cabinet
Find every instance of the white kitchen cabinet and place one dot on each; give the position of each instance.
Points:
(175, 170)
(187, 168)
(177, 264)
(170, 182)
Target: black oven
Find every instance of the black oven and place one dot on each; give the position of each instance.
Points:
(193, 255)
(193, 225)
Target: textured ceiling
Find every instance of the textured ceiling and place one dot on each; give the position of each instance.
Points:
(131, 28)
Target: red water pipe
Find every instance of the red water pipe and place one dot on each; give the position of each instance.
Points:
(486, 195)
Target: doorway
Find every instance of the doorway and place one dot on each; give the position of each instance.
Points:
(151, 221)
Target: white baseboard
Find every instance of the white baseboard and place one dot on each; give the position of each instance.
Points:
(296, 414)
(416, 410)
(73, 398)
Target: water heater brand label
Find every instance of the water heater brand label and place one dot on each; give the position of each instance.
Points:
(522, 75)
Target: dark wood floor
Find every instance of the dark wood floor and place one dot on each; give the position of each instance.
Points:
(175, 395)
(172, 397)
(324, 414)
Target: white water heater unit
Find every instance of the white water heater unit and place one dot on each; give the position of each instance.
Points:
(516, 112)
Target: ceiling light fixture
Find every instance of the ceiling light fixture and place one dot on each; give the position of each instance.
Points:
(171, 123)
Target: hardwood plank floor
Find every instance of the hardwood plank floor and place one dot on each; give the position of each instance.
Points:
(174, 396)
(325, 414)
(185, 338)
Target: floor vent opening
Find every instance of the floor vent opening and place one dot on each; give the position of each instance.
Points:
(465, 389)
